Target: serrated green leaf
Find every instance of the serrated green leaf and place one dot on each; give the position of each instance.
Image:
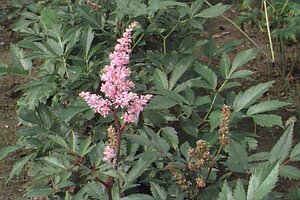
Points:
(86, 41)
(226, 193)
(59, 140)
(67, 114)
(180, 68)
(42, 191)
(19, 59)
(161, 102)
(260, 156)
(239, 192)
(213, 11)
(240, 74)
(289, 172)
(54, 161)
(29, 116)
(45, 115)
(225, 66)
(138, 197)
(159, 143)
(202, 101)
(265, 106)
(207, 74)
(295, 154)
(8, 150)
(160, 79)
(158, 192)
(155, 5)
(49, 17)
(170, 135)
(137, 170)
(294, 194)
(85, 146)
(238, 158)
(241, 59)
(283, 146)
(262, 181)
(214, 119)
(196, 6)
(229, 85)
(267, 120)
(245, 99)
(18, 166)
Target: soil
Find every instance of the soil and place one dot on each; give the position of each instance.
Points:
(222, 31)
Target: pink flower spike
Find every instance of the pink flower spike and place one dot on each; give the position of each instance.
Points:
(108, 153)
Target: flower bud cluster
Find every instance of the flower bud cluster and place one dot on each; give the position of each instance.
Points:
(179, 177)
(200, 156)
(224, 125)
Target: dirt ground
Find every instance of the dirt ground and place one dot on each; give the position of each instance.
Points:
(221, 29)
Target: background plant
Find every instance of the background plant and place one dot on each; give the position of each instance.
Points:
(185, 134)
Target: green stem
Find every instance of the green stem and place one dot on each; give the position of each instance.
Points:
(243, 32)
(269, 32)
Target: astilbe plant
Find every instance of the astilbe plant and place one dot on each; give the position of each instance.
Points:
(116, 88)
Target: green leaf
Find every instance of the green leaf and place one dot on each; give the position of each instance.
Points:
(155, 5)
(214, 119)
(241, 59)
(207, 74)
(139, 139)
(202, 101)
(196, 6)
(137, 170)
(226, 193)
(294, 194)
(240, 74)
(161, 102)
(239, 192)
(245, 99)
(229, 85)
(225, 66)
(138, 197)
(42, 191)
(32, 131)
(159, 193)
(59, 140)
(5, 69)
(170, 135)
(86, 41)
(262, 181)
(267, 120)
(283, 146)
(8, 150)
(54, 161)
(49, 17)
(159, 143)
(238, 158)
(295, 154)
(28, 115)
(45, 115)
(19, 59)
(265, 107)
(18, 166)
(67, 114)
(289, 172)
(213, 11)
(85, 147)
(160, 79)
(180, 68)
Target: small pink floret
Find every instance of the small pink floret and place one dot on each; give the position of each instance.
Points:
(109, 154)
